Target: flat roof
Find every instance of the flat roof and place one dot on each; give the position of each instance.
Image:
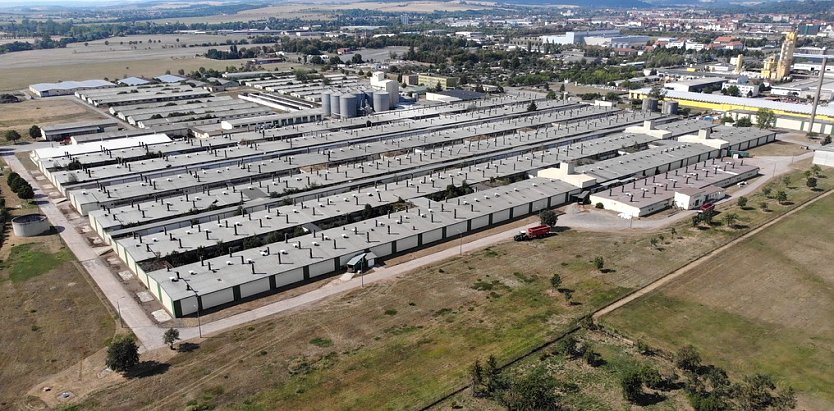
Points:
(742, 101)
(66, 127)
(71, 85)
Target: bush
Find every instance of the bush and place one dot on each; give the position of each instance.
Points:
(599, 206)
(26, 192)
(123, 353)
(742, 201)
(688, 358)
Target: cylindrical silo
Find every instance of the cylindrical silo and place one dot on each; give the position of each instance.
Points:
(325, 104)
(334, 104)
(347, 105)
(650, 104)
(670, 107)
(381, 102)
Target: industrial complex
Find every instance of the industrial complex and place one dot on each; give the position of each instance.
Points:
(211, 200)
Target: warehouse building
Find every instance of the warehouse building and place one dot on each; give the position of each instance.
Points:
(67, 88)
(61, 132)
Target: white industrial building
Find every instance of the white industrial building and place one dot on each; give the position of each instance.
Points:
(824, 156)
(67, 88)
(576, 37)
(392, 87)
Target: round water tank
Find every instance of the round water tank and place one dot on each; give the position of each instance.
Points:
(670, 107)
(347, 106)
(381, 102)
(325, 104)
(30, 225)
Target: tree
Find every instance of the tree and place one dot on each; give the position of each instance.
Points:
(493, 379)
(765, 118)
(731, 91)
(811, 182)
(599, 262)
(730, 219)
(548, 218)
(759, 392)
(356, 59)
(781, 196)
(34, 131)
(171, 336)
(742, 201)
(816, 169)
(786, 180)
(535, 390)
(826, 141)
(479, 389)
(631, 385)
(26, 192)
(657, 92)
(687, 358)
(551, 95)
(763, 205)
(12, 135)
(556, 281)
(532, 106)
(122, 353)
(744, 122)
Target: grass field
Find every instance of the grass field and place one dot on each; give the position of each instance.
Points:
(30, 260)
(417, 335)
(597, 388)
(21, 116)
(323, 10)
(765, 305)
(51, 317)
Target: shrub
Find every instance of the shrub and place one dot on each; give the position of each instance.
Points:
(600, 206)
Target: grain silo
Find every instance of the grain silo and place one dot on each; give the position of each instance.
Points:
(325, 104)
(347, 105)
(334, 104)
(381, 102)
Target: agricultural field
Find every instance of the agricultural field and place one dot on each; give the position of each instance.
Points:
(777, 318)
(113, 58)
(52, 316)
(323, 10)
(21, 116)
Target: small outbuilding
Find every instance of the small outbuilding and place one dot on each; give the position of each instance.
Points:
(361, 262)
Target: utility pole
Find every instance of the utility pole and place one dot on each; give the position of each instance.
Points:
(817, 94)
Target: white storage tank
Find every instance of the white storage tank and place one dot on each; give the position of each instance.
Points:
(334, 104)
(670, 107)
(381, 101)
(325, 104)
(347, 105)
(30, 225)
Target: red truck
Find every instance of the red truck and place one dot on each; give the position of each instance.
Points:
(533, 232)
(706, 207)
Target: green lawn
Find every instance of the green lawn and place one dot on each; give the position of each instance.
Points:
(29, 260)
(765, 305)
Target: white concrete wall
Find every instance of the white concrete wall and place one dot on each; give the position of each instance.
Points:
(432, 236)
(382, 250)
(520, 210)
(167, 302)
(289, 277)
(479, 222)
(824, 158)
(406, 243)
(539, 205)
(321, 268)
(500, 216)
(188, 305)
(217, 298)
(254, 287)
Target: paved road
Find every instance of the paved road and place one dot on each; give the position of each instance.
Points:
(685, 269)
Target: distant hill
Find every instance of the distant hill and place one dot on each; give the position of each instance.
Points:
(624, 4)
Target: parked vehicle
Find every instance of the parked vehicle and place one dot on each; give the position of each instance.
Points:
(533, 232)
(706, 207)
